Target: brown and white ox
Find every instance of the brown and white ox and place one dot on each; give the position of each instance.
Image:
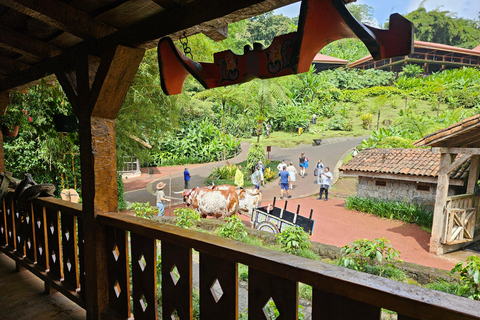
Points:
(215, 202)
(248, 200)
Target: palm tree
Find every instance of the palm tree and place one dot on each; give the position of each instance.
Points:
(223, 95)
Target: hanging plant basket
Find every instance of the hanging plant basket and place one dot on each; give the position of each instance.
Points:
(65, 123)
(10, 131)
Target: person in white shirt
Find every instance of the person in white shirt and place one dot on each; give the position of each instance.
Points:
(318, 170)
(325, 180)
(281, 165)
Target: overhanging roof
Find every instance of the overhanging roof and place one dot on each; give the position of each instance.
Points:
(37, 37)
(429, 52)
(464, 134)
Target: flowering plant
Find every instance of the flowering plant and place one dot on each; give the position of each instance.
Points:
(14, 116)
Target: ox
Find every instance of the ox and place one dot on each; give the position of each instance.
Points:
(248, 200)
(215, 202)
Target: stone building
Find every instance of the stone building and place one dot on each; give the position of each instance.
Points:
(408, 175)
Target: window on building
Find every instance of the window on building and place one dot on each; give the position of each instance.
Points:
(380, 183)
(423, 187)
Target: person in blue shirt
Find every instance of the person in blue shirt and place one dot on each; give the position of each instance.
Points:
(186, 177)
(284, 182)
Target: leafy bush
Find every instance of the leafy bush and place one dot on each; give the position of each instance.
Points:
(407, 212)
(269, 174)
(290, 118)
(186, 217)
(233, 228)
(366, 120)
(122, 203)
(226, 171)
(469, 277)
(144, 210)
(444, 286)
(337, 123)
(293, 239)
(411, 71)
(255, 153)
(363, 252)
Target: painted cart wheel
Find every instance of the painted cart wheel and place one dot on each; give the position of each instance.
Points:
(268, 227)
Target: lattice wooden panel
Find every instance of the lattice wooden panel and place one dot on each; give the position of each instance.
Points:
(267, 292)
(176, 281)
(41, 246)
(118, 272)
(460, 225)
(218, 288)
(53, 240)
(70, 252)
(144, 277)
(329, 306)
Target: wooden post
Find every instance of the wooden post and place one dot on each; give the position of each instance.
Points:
(473, 175)
(440, 199)
(4, 102)
(96, 89)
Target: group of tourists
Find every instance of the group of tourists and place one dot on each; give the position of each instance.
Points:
(288, 176)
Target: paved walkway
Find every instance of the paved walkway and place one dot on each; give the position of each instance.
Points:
(334, 225)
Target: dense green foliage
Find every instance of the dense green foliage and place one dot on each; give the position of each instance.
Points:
(186, 217)
(233, 228)
(407, 212)
(293, 239)
(469, 277)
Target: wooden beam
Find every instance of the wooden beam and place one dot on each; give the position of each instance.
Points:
(440, 199)
(11, 65)
(473, 174)
(457, 163)
(62, 16)
(402, 177)
(22, 43)
(217, 33)
(469, 151)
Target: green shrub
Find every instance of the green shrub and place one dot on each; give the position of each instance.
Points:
(337, 123)
(366, 120)
(233, 228)
(243, 272)
(144, 210)
(305, 291)
(226, 171)
(469, 277)
(293, 239)
(186, 217)
(122, 203)
(363, 252)
(407, 212)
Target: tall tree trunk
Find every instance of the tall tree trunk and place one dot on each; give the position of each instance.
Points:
(378, 118)
(438, 105)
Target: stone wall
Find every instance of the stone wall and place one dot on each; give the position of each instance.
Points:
(398, 190)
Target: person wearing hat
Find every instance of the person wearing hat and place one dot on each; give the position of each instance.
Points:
(161, 198)
(186, 177)
(262, 166)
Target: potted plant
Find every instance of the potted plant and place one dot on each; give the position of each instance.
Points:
(13, 118)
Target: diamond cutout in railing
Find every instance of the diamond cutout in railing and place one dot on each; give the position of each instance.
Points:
(67, 234)
(142, 262)
(116, 253)
(9, 233)
(270, 310)
(52, 228)
(17, 214)
(29, 244)
(27, 218)
(40, 250)
(69, 265)
(143, 303)
(2, 230)
(8, 212)
(18, 239)
(54, 257)
(39, 224)
(175, 275)
(216, 290)
(117, 289)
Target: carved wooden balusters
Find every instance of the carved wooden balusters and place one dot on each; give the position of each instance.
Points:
(53, 239)
(118, 271)
(10, 218)
(70, 252)
(39, 224)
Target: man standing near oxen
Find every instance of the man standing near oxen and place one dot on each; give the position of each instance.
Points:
(186, 177)
(161, 198)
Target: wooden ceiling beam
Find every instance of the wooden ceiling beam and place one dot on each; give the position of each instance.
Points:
(21, 43)
(62, 16)
(217, 34)
(145, 33)
(11, 65)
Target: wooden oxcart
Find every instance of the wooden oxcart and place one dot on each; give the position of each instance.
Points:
(274, 219)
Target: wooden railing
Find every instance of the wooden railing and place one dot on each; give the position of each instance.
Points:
(132, 259)
(460, 217)
(46, 237)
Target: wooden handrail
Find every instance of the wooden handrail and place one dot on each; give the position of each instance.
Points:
(407, 300)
